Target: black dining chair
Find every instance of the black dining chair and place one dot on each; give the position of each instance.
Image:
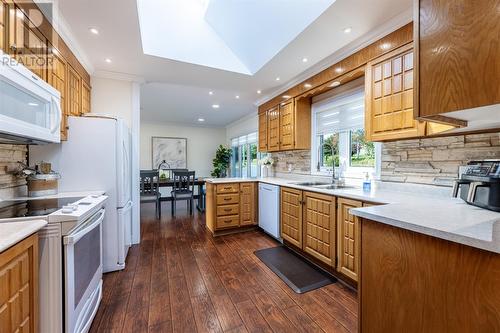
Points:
(183, 189)
(150, 189)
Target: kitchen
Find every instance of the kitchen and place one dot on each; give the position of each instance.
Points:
(342, 176)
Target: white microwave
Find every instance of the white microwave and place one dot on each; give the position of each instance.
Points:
(30, 109)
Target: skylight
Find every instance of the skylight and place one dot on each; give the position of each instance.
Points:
(237, 36)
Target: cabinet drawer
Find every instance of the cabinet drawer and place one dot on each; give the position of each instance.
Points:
(228, 210)
(228, 188)
(228, 221)
(225, 199)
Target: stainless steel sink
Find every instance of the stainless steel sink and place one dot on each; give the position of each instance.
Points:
(312, 184)
(333, 186)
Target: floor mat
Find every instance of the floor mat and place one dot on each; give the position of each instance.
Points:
(295, 271)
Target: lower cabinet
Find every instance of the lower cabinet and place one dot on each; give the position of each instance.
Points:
(291, 215)
(319, 226)
(348, 238)
(19, 287)
(231, 205)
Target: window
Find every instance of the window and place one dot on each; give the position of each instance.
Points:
(339, 136)
(244, 160)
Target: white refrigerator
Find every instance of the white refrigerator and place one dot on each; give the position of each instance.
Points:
(97, 156)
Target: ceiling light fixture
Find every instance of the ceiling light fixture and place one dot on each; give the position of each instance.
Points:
(201, 120)
(215, 106)
(108, 60)
(286, 96)
(94, 31)
(335, 84)
(304, 59)
(237, 96)
(278, 78)
(347, 30)
(338, 70)
(258, 91)
(385, 46)
(210, 93)
(307, 85)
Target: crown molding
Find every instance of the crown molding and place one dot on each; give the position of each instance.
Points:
(383, 30)
(118, 76)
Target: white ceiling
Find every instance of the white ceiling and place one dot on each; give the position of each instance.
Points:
(178, 91)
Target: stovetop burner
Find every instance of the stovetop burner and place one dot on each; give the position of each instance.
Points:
(33, 207)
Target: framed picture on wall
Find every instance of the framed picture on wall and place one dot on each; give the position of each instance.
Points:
(171, 150)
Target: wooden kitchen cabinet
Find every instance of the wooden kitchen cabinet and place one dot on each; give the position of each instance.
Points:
(248, 203)
(26, 43)
(231, 206)
(319, 226)
(291, 215)
(459, 62)
(273, 129)
(389, 97)
(348, 240)
(19, 287)
(263, 132)
(288, 126)
(57, 68)
(85, 98)
(74, 88)
(4, 10)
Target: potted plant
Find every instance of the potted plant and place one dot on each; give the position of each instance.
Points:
(221, 161)
(266, 165)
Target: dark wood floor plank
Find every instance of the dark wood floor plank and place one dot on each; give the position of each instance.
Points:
(181, 279)
(254, 322)
(301, 320)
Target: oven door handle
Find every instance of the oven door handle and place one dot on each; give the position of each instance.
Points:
(84, 229)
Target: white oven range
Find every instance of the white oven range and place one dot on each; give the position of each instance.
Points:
(70, 257)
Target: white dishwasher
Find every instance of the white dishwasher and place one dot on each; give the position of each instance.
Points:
(269, 207)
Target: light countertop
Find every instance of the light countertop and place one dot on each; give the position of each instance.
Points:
(432, 213)
(14, 232)
(61, 195)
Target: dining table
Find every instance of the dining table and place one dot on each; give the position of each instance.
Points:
(199, 182)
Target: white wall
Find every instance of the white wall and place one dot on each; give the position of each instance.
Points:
(201, 144)
(113, 97)
(242, 126)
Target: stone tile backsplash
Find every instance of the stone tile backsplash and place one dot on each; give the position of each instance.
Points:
(433, 161)
(10, 185)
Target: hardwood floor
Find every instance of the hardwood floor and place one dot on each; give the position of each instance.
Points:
(181, 279)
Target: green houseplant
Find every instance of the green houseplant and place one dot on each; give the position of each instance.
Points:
(221, 161)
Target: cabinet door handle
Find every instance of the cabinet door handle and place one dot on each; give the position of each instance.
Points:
(227, 209)
(227, 199)
(227, 188)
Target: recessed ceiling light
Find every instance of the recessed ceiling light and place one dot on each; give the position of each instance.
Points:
(94, 31)
(278, 78)
(385, 46)
(201, 120)
(210, 92)
(335, 84)
(258, 91)
(347, 30)
(304, 59)
(338, 69)
(307, 85)
(107, 60)
(237, 96)
(215, 106)
(286, 96)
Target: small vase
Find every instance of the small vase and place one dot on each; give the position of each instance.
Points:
(265, 171)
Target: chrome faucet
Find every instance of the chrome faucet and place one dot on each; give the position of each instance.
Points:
(318, 167)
